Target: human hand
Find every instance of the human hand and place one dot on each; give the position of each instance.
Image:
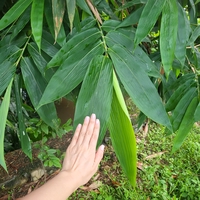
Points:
(81, 157)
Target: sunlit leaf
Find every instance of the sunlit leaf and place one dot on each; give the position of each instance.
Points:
(122, 136)
(3, 116)
(24, 138)
(14, 12)
(185, 126)
(148, 19)
(138, 85)
(96, 90)
(37, 20)
(168, 34)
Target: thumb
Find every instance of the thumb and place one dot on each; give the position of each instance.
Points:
(99, 155)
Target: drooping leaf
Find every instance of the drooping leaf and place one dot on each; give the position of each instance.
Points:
(3, 116)
(168, 34)
(13, 13)
(182, 35)
(24, 138)
(138, 85)
(185, 126)
(148, 19)
(37, 20)
(70, 73)
(35, 85)
(58, 10)
(71, 6)
(96, 93)
(181, 108)
(197, 114)
(122, 136)
(76, 44)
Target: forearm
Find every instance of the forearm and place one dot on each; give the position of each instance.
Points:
(59, 188)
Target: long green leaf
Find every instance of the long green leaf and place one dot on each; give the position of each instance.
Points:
(148, 19)
(123, 138)
(58, 9)
(3, 116)
(24, 138)
(35, 85)
(71, 6)
(186, 125)
(138, 85)
(37, 20)
(168, 34)
(181, 108)
(12, 14)
(197, 114)
(194, 36)
(76, 44)
(96, 90)
(70, 73)
(182, 35)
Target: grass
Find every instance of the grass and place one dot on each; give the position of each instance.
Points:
(162, 176)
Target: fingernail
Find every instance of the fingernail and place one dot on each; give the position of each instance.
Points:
(102, 147)
(87, 118)
(97, 121)
(93, 116)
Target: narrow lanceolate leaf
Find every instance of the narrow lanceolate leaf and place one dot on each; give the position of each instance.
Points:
(24, 138)
(3, 116)
(197, 114)
(182, 35)
(70, 73)
(37, 20)
(123, 139)
(13, 14)
(181, 108)
(148, 19)
(71, 6)
(138, 85)
(194, 36)
(186, 125)
(35, 85)
(96, 90)
(168, 34)
(74, 45)
(58, 9)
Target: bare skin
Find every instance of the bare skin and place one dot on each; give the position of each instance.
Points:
(80, 164)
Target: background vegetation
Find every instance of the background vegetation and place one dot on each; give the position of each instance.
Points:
(147, 49)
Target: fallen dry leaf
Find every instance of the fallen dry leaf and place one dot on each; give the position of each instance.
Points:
(155, 155)
(140, 165)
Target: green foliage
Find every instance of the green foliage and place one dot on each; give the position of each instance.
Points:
(57, 47)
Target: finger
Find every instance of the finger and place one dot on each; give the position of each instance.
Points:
(90, 130)
(83, 130)
(99, 155)
(76, 135)
(95, 135)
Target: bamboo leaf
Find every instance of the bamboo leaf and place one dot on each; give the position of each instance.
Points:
(181, 108)
(123, 138)
(70, 73)
(35, 82)
(24, 138)
(197, 114)
(96, 90)
(194, 36)
(138, 85)
(168, 34)
(148, 19)
(13, 14)
(3, 116)
(182, 35)
(37, 20)
(58, 10)
(186, 125)
(71, 6)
